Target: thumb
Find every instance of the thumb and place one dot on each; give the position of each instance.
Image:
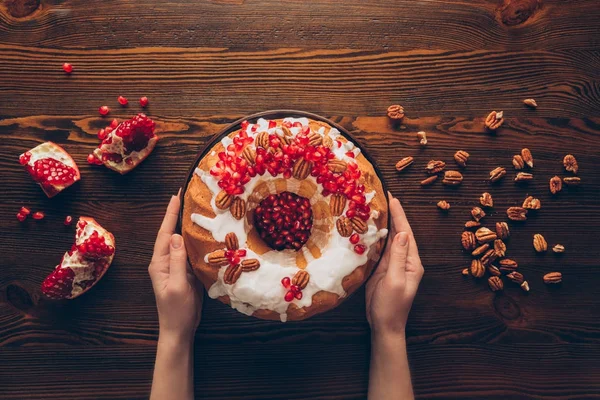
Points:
(178, 259)
(396, 274)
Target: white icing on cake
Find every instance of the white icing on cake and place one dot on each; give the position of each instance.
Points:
(262, 288)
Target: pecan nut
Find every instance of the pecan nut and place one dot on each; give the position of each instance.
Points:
(489, 257)
(301, 169)
(249, 154)
(328, 141)
(495, 283)
(555, 185)
(539, 243)
(553, 278)
(286, 131)
(429, 181)
(527, 157)
(508, 265)
(486, 200)
(493, 270)
(395, 112)
(250, 264)
(223, 200)
(472, 224)
(262, 140)
(531, 203)
(558, 248)
(496, 174)
(477, 213)
(572, 180)
(480, 250)
(461, 157)
(518, 162)
(301, 279)
(217, 258)
(468, 240)
(443, 205)
(284, 140)
(477, 268)
(502, 230)
(499, 248)
(516, 277)
(314, 139)
(337, 204)
(435, 166)
(530, 103)
(231, 241)
(344, 226)
(422, 136)
(403, 163)
(465, 272)
(517, 213)
(359, 225)
(232, 274)
(525, 286)
(452, 178)
(338, 166)
(238, 208)
(494, 120)
(570, 163)
(523, 177)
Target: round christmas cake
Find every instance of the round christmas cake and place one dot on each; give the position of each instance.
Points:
(284, 218)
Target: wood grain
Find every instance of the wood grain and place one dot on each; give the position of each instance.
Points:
(204, 65)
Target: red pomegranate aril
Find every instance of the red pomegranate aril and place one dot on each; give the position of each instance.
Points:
(102, 134)
(108, 129)
(68, 68)
(25, 211)
(38, 215)
(298, 295)
(286, 282)
(229, 253)
(104, 110)
(68, 220)
(244, 124)
(144, 101)
(354, 239)
(351, 213)
(295, 288)
(122, 100)
(21, 217)
(93, 160)
(114, 123)
(360, 249)
(241, 253)
(289, 296)
(350, 154)
(24, 158)
(235, 260)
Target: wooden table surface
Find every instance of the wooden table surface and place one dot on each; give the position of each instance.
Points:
(206, 63)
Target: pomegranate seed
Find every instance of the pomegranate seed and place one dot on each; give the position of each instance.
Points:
(25, 211)
(241, 253)
(102, 134)
(68, 68)
(245, 124)
(104, 110)
(92, 159)
(339, 144)
(350, 154)
(229, 254)
(286, 282)
(68, 220)
(38, 215)
(298, 295)
(289, 296)
(114, 123)
(294, 288)
(143, 101)
(24, 158)
(108, 129)
(21, 217)
(354, 238)
(95, 247)
(272, 124)
(122, 100)
(136, 132)
(359, 249)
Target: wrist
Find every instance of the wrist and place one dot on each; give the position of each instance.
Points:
(174, 339)
(388, 338)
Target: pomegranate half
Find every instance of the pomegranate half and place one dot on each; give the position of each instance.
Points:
(51, 167)
(84, 264)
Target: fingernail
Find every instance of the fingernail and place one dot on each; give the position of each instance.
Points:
(176, 241)
(178, 192)
(402, 238)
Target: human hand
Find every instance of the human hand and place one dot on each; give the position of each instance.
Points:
(393, 285)
(178, 293)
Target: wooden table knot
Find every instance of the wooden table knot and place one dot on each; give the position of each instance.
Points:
(515, 12)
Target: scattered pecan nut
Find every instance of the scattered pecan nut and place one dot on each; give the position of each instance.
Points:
(486, 200)
(452, 178)
(480, 250)
(435, 166)
(527, 157)
(359, 225)
(217, 258)
(499, 248)
(525, 286)
(496, 174)
(572, 180)
(493, 270)
(558, 248)
(301, 279)
(223, 200)
(570, 163)
(232, 274)
(302, 169)
(468, 240)
(477, 268)
(461, 157)
(395, 112)
(403, 163)
(477, 213)
(338, 166)
(518, 162)
(494, 120)
(517, 213)
(553, 278)
(337, 204)
(488, 258)
(495, 283)
(429, 181)
(502, 230)
(555, 184)
(262, 140)
(530, 103)
(344, 226)
(250, 264)
(516, 277)
(539, 243)
(523, 177)
(422, 136)
(465, 272)
(508, 265)
(531, 203)
(472, 224)
(443, 205)
(238, 208)
(249, 154)
(231, 241)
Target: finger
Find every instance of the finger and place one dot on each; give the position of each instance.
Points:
(396, 274)
(167, 228)
(177, 261)
(401, 224)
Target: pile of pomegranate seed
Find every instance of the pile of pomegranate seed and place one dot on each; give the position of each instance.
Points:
(284, 220)
(235, 256)
(294, 292)
(24, 158)
(68, 68)
(50, 170)
(123, 101)
(24, 213)
(144, 101)
(136, 132)
(95, 247)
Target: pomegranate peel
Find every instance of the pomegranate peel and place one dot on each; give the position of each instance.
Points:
(79, 271)
(51, 167)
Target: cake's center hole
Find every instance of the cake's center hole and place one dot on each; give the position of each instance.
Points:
(284, 220)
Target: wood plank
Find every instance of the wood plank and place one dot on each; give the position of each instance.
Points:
(396, 25)
(213, 81)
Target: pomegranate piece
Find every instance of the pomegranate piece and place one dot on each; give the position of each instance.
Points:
(284, 220)
(77, 273)
(51, 167)
(38, 215)
(143, 101)
(126, 146)
(104, 110)
(68, 68)
(122, 100)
